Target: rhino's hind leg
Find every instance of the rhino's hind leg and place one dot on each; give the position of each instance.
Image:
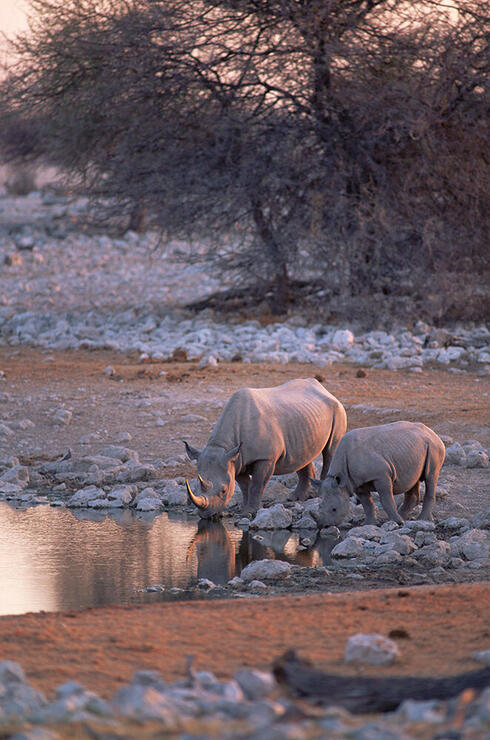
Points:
(304, 475)
(326, 460)
(384, 487)
(429, 497)
(410, 501)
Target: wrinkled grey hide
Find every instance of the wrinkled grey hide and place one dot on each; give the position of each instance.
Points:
(390, 459)
(263, 432)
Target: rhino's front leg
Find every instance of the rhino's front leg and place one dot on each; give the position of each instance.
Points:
(384, 487)
(243, 480)
(304, 475)
(262, 471)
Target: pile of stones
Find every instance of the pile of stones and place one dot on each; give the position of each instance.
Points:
(250, 705)
(63, 288)
(207, 341)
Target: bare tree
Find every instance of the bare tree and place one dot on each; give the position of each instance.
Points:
(349, 137)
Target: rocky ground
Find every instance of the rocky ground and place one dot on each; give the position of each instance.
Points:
(100, 365)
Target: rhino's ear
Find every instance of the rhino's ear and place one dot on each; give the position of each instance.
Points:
(233, 453)
(192, 453)
(315, 482)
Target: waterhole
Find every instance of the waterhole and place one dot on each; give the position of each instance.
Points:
(55, 559)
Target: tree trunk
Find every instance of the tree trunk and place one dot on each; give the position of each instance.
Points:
(137, 218)
(277, 260)
(370, 693)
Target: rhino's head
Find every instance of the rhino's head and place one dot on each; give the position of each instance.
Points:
(216, 472)
(334, 505)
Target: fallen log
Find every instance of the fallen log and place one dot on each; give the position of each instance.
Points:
(364, 694)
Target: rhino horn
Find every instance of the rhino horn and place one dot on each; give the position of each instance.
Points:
(200, 501)
(205, 484)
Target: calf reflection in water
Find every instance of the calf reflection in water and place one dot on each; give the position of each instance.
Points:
(215, 551)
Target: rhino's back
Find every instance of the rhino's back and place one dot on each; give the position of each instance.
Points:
(401, 447)
(294, 417)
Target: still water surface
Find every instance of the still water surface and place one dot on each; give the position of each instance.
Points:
(56, 559)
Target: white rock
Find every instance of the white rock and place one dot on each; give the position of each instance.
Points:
(208, 361)
(476, 459)
(454, 523)
(351, 547)
(451, 354)
(430, 712)
(373, 649)
(275, 517)
(121, 495)
(10, 490)
(388, 557)
(18, 475)
(62, 416)
(120, 453)
(343, 338)
(366, 532)
(417, 525)
(123, 437)
(423, 538)
(472, 545)
(82, 497)
(482, 656)
(399, 542)
(482, 519)
(264, 570)
(389, 526)
(255, 684)
(438, 553)
(312, 507)
(305, 522)
(276, 492)
(174, 494)
(455, 454)
(149, 504)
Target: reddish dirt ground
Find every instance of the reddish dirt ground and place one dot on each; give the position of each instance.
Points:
(437, 627)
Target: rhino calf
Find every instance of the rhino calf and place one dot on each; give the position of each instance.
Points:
(263, 432)
(390, 459)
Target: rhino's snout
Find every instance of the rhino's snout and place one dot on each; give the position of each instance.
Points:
(333, 510)
(207, 506)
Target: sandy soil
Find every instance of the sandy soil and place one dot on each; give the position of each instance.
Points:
(438, 627)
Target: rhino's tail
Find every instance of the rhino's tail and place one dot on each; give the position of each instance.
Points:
(337, 431)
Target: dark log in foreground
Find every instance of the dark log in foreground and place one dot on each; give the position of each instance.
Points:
(365, 694)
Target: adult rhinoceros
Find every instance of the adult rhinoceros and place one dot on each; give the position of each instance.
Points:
(390, 459)
(262, 432)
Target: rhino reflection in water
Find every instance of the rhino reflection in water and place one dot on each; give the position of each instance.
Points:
(263, 432)
(215, 551)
